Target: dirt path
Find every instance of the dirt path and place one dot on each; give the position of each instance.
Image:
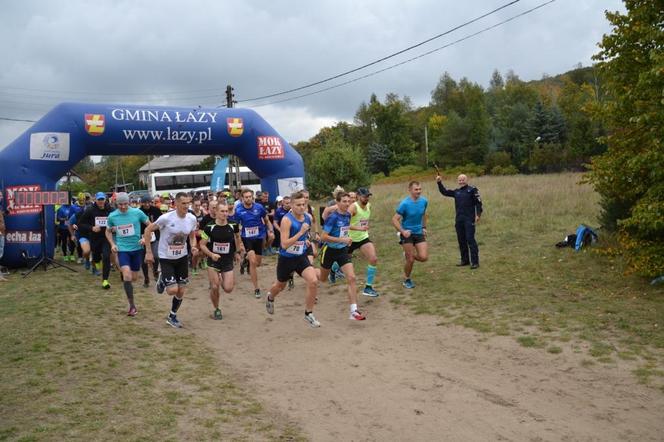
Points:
(398, 376)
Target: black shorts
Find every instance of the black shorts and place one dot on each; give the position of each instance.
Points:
(286, 266)
(222, 265)
(414, 238)
(255, 244)
(330, 255)
(356, 245)
(174, 271)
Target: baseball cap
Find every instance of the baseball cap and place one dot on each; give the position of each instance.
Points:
(122, 198)
(363, 191)
(280, 198)
(100, 196)
(146, 199)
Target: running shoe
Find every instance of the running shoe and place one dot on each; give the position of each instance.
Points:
(217, 314)
(194, 272)
(369, 291)
(332, 277)
(87, 264)
(79, 261)
(339, 274)
(132, 311)
(173, 321)
(146, 283)
(244, 267)
(269, 305)
(160, 285)
(204, 265)
(96, 272)
(257, 293)
(357, 316)
(291, 283)
(311, 319)
(105, 284)
(408, 283)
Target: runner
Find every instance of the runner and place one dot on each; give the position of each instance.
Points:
(336, 239)
(78, 208)
(312, 251)
(253, 218)
(360, 212)
(153, 213)
(82, 243)
(411, 223)
(125, 224)
(175, 227)
(227, 248)
(336, 272)
(63, 213)
(92, 225)
(197, 211)
(295, 227)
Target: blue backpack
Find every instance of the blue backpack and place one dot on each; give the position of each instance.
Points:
(585, 236)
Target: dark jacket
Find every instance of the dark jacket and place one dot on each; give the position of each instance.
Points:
(87, 221)
(467, 201)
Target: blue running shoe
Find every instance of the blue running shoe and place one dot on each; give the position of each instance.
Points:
(332, 277)
(369, 291)
(339, 274)
(87, 264)
(409, 284)
(173, 321)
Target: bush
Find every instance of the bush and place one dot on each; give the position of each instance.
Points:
(504, 170)
(497, 159)
(469, 170)
(408, 170)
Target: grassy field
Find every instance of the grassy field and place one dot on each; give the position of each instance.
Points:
(556, 299)
(75, 368)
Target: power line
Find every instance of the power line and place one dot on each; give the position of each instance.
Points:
(371, 74)
(334, 77)
(17, 119)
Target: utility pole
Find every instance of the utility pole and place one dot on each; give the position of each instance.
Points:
(426, 146)
(235, 163)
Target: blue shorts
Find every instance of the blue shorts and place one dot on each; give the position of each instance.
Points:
(132, 259)
(83, 240)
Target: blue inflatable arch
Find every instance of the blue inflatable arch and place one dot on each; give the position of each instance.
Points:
(71, 131)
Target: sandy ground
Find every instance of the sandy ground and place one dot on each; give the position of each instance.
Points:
(398, 376)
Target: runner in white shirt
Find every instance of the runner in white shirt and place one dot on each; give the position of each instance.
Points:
(174, 228)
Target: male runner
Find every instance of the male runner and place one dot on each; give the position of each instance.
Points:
(335, 235)
(254, 221)
(125, 224)
(295, 226)
(410, 220)
(153, 213)
(221, 243)
(197, 211)
(92, 225)
(360, 212)
(62, 214)
(174, 226)
(82, 243)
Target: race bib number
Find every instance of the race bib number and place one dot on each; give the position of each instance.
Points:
(153, 237)
(125, 230)
(101, 221)
(297, 249)
(222, 248)
(251, 231)
(343, 231)
(364, 223)
(176, 251)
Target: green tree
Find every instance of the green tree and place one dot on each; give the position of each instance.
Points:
(335, 163)
(630, 175)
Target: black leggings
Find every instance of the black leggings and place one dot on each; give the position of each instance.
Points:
(65, 242)
(101, 251)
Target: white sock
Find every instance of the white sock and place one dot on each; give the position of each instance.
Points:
(353, 307)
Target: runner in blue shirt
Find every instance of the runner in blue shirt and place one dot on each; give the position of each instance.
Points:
(254, 222)
(410, 220)
(337, 240)
(125, 224)
(62, 215)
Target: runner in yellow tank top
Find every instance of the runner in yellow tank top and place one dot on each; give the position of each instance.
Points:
(359, 232)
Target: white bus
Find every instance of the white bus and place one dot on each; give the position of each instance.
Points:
(197, 181)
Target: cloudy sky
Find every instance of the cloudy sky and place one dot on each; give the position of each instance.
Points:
(185, 53)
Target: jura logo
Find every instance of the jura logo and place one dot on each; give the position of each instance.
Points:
(49, 146)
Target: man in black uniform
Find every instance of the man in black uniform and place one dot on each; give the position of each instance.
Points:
(153, 214)
(468, 206)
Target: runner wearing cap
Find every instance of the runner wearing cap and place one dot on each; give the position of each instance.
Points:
(92, 225)
(360, 212)
(123, 233)
(175, 227)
